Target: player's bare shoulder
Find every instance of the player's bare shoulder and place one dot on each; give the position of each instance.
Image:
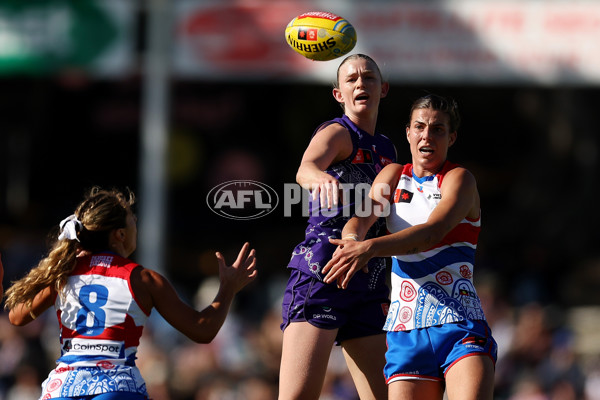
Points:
(463, 184)
(461, 176)
(334, 130)
(386, 181)
(335, 137)
(390, 174)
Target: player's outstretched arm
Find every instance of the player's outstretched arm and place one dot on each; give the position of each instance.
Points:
(22, 314)
(352, 254)
(202, 326)
(330, 145)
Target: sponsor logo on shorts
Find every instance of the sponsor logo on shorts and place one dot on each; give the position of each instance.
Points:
(325, 316)
(474, 342)
(105, 364)
(410, 373)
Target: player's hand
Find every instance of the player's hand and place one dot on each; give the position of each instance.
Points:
(243, 271)
(348, 258)
(327, 190)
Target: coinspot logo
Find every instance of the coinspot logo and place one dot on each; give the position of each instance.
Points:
(242, 199)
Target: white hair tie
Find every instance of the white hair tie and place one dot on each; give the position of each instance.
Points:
(69, 228)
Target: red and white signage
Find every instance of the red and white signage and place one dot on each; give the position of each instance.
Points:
(459, 41)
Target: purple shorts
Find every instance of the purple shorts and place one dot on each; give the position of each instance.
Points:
(354, 313)
(428, 353)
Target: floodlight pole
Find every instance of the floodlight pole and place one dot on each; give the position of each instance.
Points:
(154, 136)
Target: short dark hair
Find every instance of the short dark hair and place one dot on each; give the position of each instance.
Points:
(439, 103)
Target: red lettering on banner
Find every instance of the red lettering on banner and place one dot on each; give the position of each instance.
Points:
(571, 23)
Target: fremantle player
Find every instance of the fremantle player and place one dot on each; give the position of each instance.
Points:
(346, 151)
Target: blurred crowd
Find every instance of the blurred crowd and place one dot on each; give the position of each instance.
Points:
(547, 351)
(542, 353)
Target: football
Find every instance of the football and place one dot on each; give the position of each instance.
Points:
(320, 36)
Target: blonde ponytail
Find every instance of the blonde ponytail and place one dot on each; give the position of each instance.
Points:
(99, 213)
(51, 271)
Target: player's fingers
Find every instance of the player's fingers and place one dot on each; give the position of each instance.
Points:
(335, 194)
(333, 273)
(315, 192)
(251, 260)
(323, 195)
(220, 259)
(349, 274)
(345, 282)
(328, 266)
(242, 254)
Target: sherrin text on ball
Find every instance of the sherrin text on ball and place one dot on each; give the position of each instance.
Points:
(320, 36)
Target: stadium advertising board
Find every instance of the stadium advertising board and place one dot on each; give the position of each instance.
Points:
(462, 41)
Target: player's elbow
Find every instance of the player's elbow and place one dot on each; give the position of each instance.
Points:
(435, 235)
(300, 180)
(305, 174)
(16, 319)
(203, 333)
